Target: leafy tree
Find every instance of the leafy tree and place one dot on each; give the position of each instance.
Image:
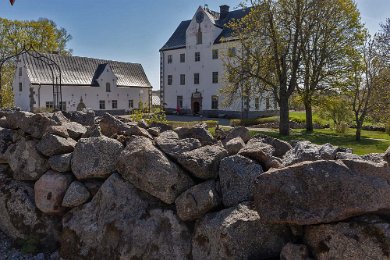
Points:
(43, 35)
(335, 107)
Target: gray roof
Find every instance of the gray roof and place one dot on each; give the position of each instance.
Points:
(178, 38)
(82, 71)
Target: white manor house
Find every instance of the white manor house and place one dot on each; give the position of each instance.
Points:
(192, 68)
(100, 85)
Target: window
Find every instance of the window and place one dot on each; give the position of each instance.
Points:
(170, 79)
(182, 58)
(108, 87)
(49, 105)
(102, 104)
(197, 56)
(182, 79)
(267, 104)
(199, 37)
(215, 77)
(196, 78)
(131, 104)
(20, 86)
(215, 54)
(180, 101)
(214, 102)
(20, 72)
(232, 52)
(257, 103)
(169, 59)
(114, 104)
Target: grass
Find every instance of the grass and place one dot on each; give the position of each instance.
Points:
(323, 136)
(210, 123)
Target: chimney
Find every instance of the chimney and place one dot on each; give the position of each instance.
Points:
(224, 11)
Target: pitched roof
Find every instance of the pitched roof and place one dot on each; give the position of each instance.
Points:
(178, 38)
(82, 71)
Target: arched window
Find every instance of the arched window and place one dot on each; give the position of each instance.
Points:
(199, 37)
(108, 87)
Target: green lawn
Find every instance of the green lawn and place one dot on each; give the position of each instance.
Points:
(324, 136)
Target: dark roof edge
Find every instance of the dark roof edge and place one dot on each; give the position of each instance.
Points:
(92, 86)
(171, 49)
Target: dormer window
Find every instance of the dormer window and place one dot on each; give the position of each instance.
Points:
(108, 87)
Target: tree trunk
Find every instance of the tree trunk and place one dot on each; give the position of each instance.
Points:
(358, 130)
(309, 115)
(284, 125)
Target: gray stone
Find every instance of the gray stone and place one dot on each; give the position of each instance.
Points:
(58, 130)
(154, 131)
(237, 233)
(365, 237)
(76, 195)
(311, 193)
(61, 163)
(238, 131)
(50, 190)
(237, 175)
(111, 126)
(203, 162)
(386, 156)
(306, 151)
(280, 147)
(84, 118)
(75, 130)
(51, 145)
(5, 142)
(33, 124)
(234, 145)
(197, 201)
(26, 163)
(374, 157)
(95, 157)
(147, 168)
(142, 123)
(119, 222)
(295, 252)
(163, 127)
(93, 186)
(92, 131)
(20, 219)
(199, 133)
(170, 144)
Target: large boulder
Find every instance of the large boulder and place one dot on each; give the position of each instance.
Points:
(147, 168)
(32, 124)
(306, 151)
(365, 237)
(237, 175)
(203, 162)
(20, 219)
(75, 130)
(280, 147)
(237, 233)
(196, 132)
(170, 144)
(50, 190)
(61, 163)
(76, 195)
(59, 130)
(111, 126)
(238, 131)
(197, 201)
(5, 142)
(26, 163)
(261, 152)
(234, 145)
(51, 145)
(84, 118)
(119, 223)
(322, 191)
(95, 157)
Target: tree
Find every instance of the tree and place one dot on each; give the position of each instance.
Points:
(335, 107)
(270, 40)
(332, 31)
(43, 35)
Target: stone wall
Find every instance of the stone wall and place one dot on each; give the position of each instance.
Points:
(118, 189)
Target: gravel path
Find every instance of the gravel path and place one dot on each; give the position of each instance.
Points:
(7, 252)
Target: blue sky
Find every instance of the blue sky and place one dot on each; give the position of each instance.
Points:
(134, 30)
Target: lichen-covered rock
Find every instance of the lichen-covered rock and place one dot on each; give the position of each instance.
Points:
(95, 157)
(261, 152)
(280, 147)
(237, 175)
(317, 192)
(51, 145)
(5, 141)
(154, 131)
(111, 126)
(93, 186)
(50, 190)
(32, 124)
(84, 118)
(92, 131)
(76, 195)
(306, 151)
(294, 252)
(234, 145)
(237, 233)
(26, 163)
(197, 201)
(75, 130)
(20, 219)
(61, 163)
(170, 144)
(203, 162)
(119, 222)
(163, 127)
(365, 237)
(238, 131)
(147, 168)
(196, 132)
(58, 130)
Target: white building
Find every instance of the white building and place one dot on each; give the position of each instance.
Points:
(192, 67)
(100, 85)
